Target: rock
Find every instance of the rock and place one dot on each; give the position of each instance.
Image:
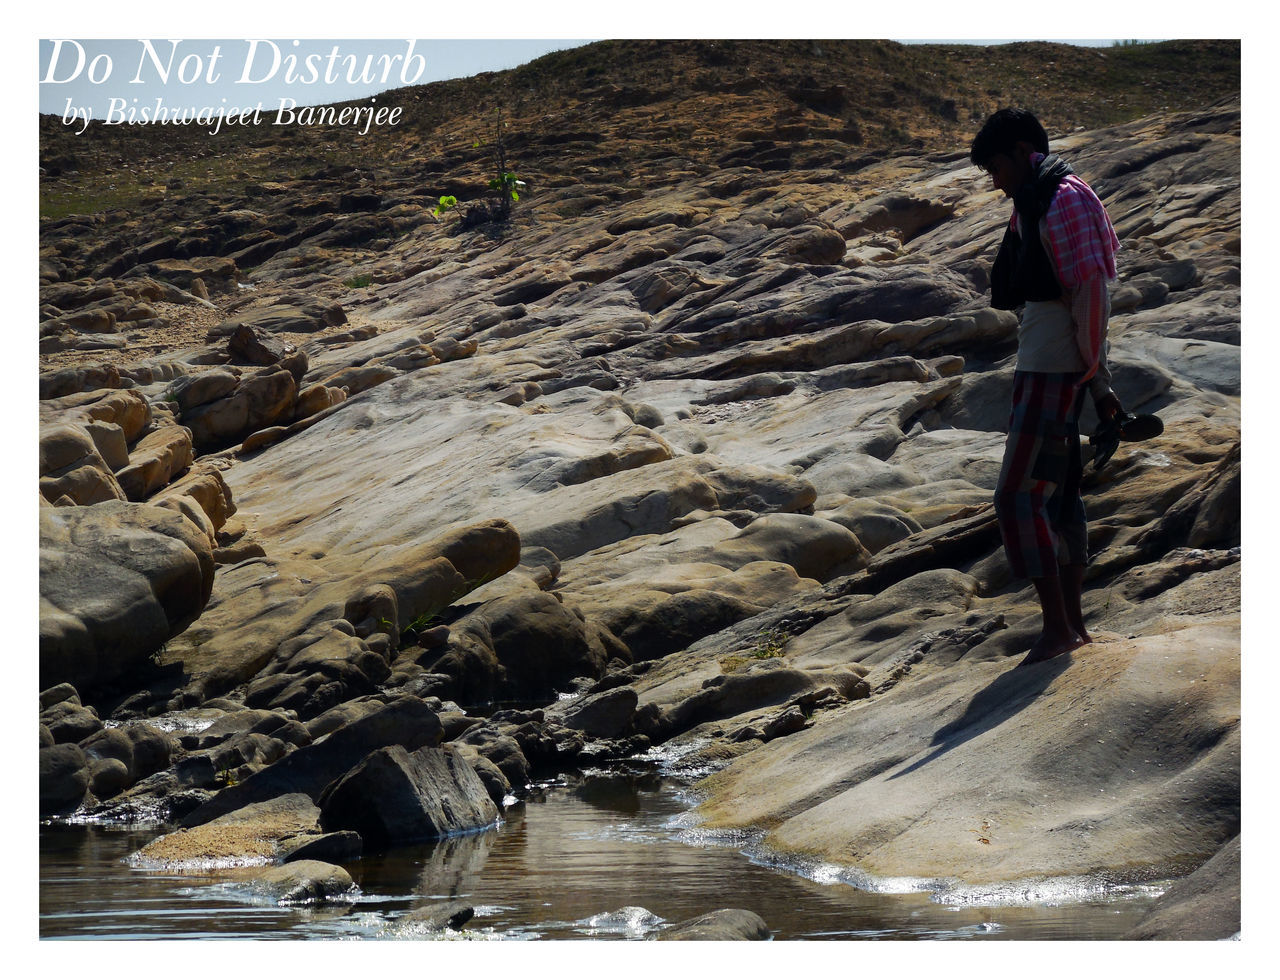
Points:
(604, 715)
(339, 847)
(193, 390)
(406, 722)
(283, 318)
(107, 777)
(945, 749)
(64, 779)
(395, 797)
(503, 751)
(117, 580)
(527, 644)
(58, 694)
(1204, 905)
(71, 465)
(437, 916)
(255, 834)
(206, 488)
(141, 748)
(218, 272)
(248, 344)
(69, 721)
(306, 882)
(155, 460)
(494, 779)
(257, 402)
(719, 926)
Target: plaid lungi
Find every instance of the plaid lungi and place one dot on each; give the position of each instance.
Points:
(1038, 504)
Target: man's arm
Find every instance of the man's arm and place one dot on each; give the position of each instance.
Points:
(1082, 244)
(1091, 309)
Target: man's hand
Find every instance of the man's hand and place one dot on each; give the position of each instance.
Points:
(1108, 406)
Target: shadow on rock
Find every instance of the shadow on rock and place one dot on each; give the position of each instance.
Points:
(995, 704)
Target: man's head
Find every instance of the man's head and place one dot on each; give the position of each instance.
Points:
(1004, 145)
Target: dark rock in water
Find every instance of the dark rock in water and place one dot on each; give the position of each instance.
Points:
(395, 796)
(604, 715)
(718, 926)
(64, 779)
(1204, 905)
(495, 781)
(305, 881)
(406, 722)
(340, 846)
(503, 751)
(437, 917)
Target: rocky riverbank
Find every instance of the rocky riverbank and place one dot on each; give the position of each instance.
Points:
(341, 504)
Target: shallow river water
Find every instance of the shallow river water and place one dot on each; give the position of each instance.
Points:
(605, 855)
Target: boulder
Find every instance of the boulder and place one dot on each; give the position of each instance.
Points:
(155, 460)
(339, 847)
(1203, 905)
(258, 401)
(437, 917)
(719, 926)
(395, 796)
(305, 882)
(69, 721)
(64, 779)
(604, 715)
(406, 722)
(254, 834)
(525, 645)
(117, 580)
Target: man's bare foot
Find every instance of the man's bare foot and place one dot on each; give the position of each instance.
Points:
(1049, 646)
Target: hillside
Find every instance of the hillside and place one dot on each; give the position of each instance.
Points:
(603, 109)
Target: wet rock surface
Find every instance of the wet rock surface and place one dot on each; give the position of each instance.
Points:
(709, 456)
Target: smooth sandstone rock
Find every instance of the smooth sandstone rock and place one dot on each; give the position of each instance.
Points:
(117, 580)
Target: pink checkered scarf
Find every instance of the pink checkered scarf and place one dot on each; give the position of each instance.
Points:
(1081, 240)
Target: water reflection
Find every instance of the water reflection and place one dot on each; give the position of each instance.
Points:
(604, 856)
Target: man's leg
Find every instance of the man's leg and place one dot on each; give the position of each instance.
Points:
(1027, 501)
(1072, 579)
(1058, 635)
(1071, 526)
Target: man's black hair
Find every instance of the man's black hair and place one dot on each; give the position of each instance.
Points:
(1003, 131)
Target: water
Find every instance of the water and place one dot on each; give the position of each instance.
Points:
(598, 856)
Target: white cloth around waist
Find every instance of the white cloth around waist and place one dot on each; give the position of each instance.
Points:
(1047, 339)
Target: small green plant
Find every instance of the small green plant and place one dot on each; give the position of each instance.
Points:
(420, 624)
(358, 282)
(504, 187)
(769, 645)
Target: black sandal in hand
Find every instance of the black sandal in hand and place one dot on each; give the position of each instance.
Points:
(1122, 427)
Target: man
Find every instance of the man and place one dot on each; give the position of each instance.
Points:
(1056, 258)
